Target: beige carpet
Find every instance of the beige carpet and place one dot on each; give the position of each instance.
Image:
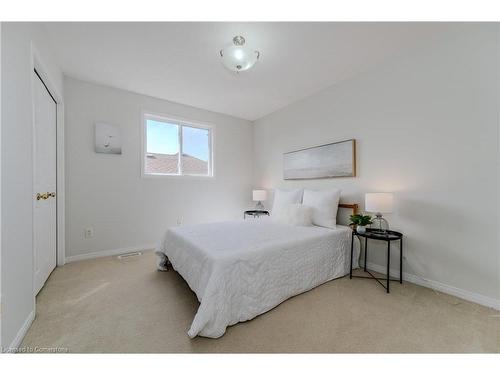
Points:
(110, 305)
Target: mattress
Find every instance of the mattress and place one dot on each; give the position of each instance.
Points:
(241, 269)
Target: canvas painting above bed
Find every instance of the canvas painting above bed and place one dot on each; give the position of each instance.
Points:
(331, 160)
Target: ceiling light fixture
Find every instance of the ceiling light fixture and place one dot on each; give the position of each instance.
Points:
(238, 57)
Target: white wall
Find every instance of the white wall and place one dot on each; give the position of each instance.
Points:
(107, 192)
(17, 172)
(427, 129)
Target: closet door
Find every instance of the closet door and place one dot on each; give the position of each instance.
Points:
(45, 182)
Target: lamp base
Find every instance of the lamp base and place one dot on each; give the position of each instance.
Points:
(259, 206)
(380, 224)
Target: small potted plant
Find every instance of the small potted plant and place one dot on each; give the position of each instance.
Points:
(359, 222)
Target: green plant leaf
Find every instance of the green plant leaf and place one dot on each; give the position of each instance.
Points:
(355, 219)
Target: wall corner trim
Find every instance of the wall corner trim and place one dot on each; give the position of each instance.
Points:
(440, 287)
(14, 345)
(106, 253)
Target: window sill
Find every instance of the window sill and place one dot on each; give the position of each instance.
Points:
(177, 176)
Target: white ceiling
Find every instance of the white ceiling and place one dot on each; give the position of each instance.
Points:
(180, 61)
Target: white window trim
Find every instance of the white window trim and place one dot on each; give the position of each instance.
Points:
(153, 115)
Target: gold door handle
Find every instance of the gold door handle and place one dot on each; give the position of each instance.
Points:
(42, 196)
(45, 196)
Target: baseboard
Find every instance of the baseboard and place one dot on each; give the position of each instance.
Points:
(14, 345)
(436, 285)
(107, 253)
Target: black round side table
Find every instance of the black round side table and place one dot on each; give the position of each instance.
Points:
(255, 213)
(388, 236)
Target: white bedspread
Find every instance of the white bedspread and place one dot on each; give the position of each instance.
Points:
(241, 269)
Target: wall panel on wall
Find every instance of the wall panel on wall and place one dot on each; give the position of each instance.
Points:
(18, 41)
(426, 128)
(107, 192)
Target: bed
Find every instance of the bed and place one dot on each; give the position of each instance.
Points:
(241, 269)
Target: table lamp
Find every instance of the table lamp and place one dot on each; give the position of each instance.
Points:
(379, 203)
(259, 196)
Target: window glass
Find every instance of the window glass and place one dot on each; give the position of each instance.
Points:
(195, 151)
(162, 149)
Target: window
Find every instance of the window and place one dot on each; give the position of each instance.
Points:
(174, 147)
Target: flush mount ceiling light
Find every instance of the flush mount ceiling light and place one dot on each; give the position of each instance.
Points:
(238, 57)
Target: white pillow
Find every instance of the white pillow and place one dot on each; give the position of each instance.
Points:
(324, 206)
(282, 199)
(299, 215)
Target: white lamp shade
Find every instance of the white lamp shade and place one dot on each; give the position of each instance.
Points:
(259, 195)
(379, 202)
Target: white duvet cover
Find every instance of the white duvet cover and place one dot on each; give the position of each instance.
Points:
(241, 269)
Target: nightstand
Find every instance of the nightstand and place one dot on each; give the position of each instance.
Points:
(255, 213)
(387, 236)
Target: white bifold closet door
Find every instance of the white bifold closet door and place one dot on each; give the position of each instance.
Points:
(45, 182)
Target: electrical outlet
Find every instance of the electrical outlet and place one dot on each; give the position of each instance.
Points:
(179, 221)
(88, 233)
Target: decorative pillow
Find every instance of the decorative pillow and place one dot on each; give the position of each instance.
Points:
(299, 215)
(282, 199)
(324, 204)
